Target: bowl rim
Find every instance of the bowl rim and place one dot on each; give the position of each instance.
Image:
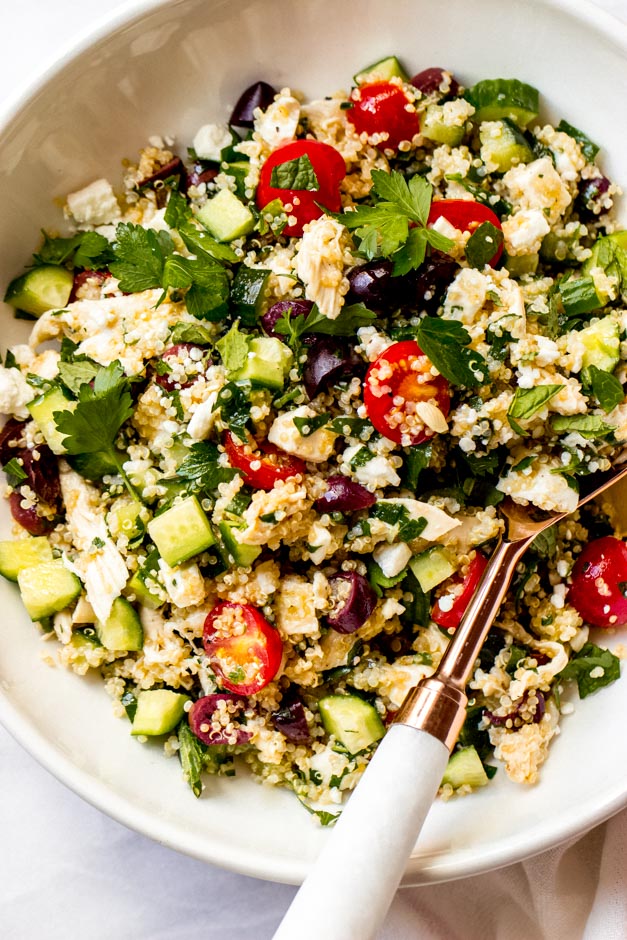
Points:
(106, 799)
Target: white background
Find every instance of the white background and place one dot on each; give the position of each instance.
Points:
(67, 871)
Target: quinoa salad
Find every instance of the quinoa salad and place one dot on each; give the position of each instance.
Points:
(278, 384)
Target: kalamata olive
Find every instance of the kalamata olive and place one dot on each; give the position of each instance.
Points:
(425, 287)
(284, 308)
(174, 167)
(290, 720)
(353, 601)
(11, 439)
(167, 380)
(29, 518)
(590, 198)
(259, 95)
(42, 473)
(201, 174)
(80, 279)
(514, 714)
(434, 80)
(373, 285)
(328, 360)
(200, 717)
(344, 495)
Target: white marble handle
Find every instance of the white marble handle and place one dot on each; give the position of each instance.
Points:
(351, 885)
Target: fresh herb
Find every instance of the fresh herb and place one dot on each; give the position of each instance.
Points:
(483, 244)
(78, 373)
(446, 344)
(85, 250)
(361, 457)
(589, 659)
(295, 174)
(395, 514)
(91, 428)
(379, 581)
(233, 403)
(524, 464)
(190, 333)
(605, 387)
(544, 543)
(202, 469)
(384, 229)
(415, 460)
(482, 467)
(178, 211)
(14, 472)
(590, 426)
(588, 148)
(499, 206)
(129, 701)
(350, 319)
(233, 348)
(351, 427)
(192, 753)
(140, 257)
(201, 244)
(308, 426)
(325, 818)
(418, 609)
(516, 655)
(527, 402)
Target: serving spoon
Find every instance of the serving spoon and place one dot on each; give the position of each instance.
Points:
(351, 885)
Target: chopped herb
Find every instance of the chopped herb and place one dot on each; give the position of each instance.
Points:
(361, 457)
(308, 426)
(192, 754)
(140, 257)
(233, 348)
(129, 701)
(190, 333)
(395, 514)
(591, 426)
(380, 582)
(527, 402)
(202, 468)
(524, 464)
(351, 427)
(178, 211)
(85, 250)
(295, 174)
(415, 460)
(326, 818)
(14, 472)
(589, 659)
(446, 343)
(483, 244)
(605, 387)
(516, 654)
(78, 373)
(233, 403)
(545, 543)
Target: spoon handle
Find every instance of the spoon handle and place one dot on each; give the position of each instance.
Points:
(351, 885)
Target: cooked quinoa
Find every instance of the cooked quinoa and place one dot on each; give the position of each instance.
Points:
(265, 432)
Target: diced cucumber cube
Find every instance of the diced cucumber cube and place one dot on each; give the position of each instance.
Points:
(602, 344)
(181, 531)
(465, 769)
(122, 630)
(354, 722)
(517, 265)
(502, 144)
(127, 517)
(432, 567)
(47, 588)
(25, 553)
(240, 554)
(498, 98)
(47, 287)
(381, 71)
(226, 217)
(158, 711)
(580, 295)
(147, 598)
(434, 127)
(610, 254)
(42, 410)
(267, 364)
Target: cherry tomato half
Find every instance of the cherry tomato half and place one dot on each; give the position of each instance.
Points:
(395, 383)
(383, 108)
(244, 649)
(465, 215)
(463, 589)
(264, 467)
(599, 583)
(330, 170)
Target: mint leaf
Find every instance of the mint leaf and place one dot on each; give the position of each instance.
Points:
(190, 333)
(295, 174)
(85, 250)
(201, 467)
(308, 426)
(415, 460)
(140, 257)
(192, 756)
(590, 658)
(483, 244)
(78, 373)
(445, 343)
(591, 426)
(233, 348)
(605, 387)
(349, 320)
(527, 402)
(233, 403)
(14, 472)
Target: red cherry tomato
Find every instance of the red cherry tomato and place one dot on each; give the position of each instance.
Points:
(465, 215)
(382, 108)
(264, 467)
(395, 382)
(463, 589)
(599, 583)
(244, 649)
(330, 170)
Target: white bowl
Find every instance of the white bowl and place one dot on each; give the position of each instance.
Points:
(167, 68)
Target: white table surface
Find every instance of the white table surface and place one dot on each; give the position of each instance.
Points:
(67, 871)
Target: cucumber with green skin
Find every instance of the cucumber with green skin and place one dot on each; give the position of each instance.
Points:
(601, 342)
(434, 127)
(267, 364)
(15, 556)
(181, 531)
(47, 287)
(354, 722)
(504, 145)
(226, 217)
(497, 98)
(382, 70)
(158, 712)
(234, 550)
(432, 567)
(465, 769)
(122, 629)
(47, 588)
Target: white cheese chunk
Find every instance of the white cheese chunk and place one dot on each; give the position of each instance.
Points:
(94, 204)
(544, 489)
(184, 583)
(15, 393)
(210, 140)
(316, 447)
(438, 521)
(278, 123)
(524, 231)
(392, 559)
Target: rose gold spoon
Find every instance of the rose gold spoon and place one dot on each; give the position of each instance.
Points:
(351, 885)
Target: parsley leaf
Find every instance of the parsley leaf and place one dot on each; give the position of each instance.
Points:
(141, 255)
(350, 319)
(14, 472)
(91, 428)
(395, 514)
(233, 348)
(85, 250)
(202, 469)
(590, 426)
(590, 658)
(295, 174)
(527, 402)
(605, 387)
(233, 403)
(446, 343)
(77, 373)
(483, 245)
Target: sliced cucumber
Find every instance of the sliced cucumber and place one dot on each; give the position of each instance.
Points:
(432, 567)
(503, 144)
(248, 293)
(579, 295)
(434, 127)
(465, 769)
(382, 71)
(122, 630)
(498, 98)
(47, 287)
(158, 711)
(47, 588)
(181, 531)
(602, 344)
(518, 265)
(42, 411)
(267, 364)
(235, 551)
(24, 553)
(127, 517)
(143, 584)
(351, 720)
(226, 217)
